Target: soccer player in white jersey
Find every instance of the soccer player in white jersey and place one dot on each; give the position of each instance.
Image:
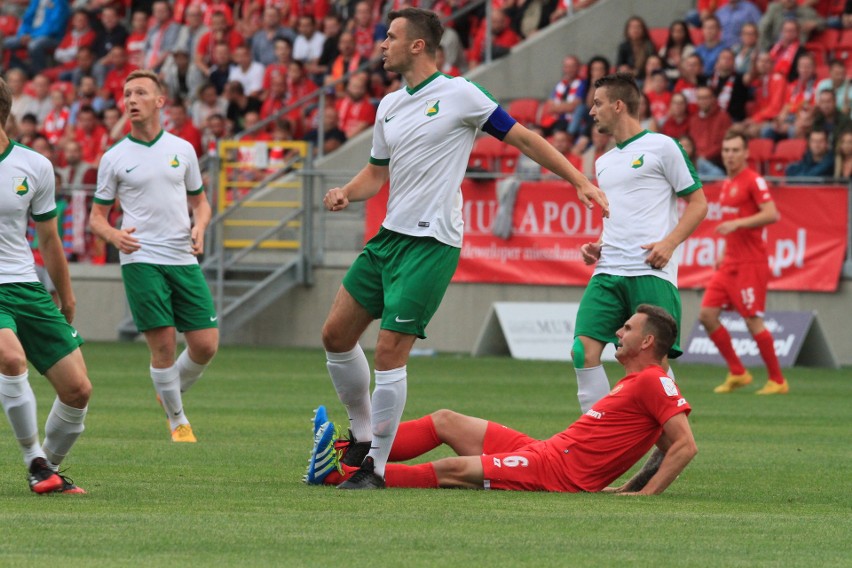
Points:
(643, 176)
(31, 325)
(421, 141)
(154, 174)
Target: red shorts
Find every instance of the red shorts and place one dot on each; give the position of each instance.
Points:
(514, 461)
(741, 287)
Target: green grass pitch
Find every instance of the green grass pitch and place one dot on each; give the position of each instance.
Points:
(771, 485)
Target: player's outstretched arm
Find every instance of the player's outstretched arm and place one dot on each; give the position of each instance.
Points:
(364, 185)
(660, 253)
(537, 148)
(645, 473)
(50, 246)
(680, 451)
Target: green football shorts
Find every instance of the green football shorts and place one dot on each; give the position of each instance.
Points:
(163, 295)
(610, 300)
(27, 309)
(402, 279)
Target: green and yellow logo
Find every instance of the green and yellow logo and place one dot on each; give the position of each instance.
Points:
(21, 185)
(174, 163)
(432, 107)
(638, 162)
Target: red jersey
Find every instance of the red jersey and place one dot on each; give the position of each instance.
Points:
(94, 143)
(621, 427)
(353, 114)
(742, 197)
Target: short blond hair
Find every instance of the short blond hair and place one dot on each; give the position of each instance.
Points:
(145, 74)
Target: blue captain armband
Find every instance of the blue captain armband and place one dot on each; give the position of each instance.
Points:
(499, 123)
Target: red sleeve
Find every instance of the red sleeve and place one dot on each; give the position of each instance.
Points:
(660, 396)
(759, 189)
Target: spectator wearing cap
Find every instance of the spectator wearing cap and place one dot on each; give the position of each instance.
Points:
(41, 30)
(162, 36)
(263, 40)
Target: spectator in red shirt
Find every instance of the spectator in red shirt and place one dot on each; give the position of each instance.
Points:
(220, 32)
(111, 119)
(93, 137)
(367, 34)
(800, 95)
(355, 110)
(676, 122)
(659, 96)
(56, 121)
(182, 127)
(119, 68)
(135, 43)
(503, 38)
(767, 89)
(283, 58)
(691, 77)
(275, 97)
(79, 35)
(708, 128)
(298, 87)
(786, 52)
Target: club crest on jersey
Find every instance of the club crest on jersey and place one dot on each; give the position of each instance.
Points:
(21, 185)
(174, 162)
(432, 107)
(638, 162)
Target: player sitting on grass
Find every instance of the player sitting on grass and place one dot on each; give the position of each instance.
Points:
(643, 409)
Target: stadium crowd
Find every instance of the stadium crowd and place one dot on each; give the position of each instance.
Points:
(779, 70)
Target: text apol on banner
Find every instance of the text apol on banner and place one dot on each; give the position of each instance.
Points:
(807, 245)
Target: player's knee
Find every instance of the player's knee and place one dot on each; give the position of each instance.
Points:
(204, 352)
(578, 354)
(332, 339)
(13, 363)
(77, 395)
(706, 318)
(443, 420)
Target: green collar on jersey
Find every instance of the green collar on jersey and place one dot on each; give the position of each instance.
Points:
(428, 80)
(629, 140)
(149, 144)
(8, 149)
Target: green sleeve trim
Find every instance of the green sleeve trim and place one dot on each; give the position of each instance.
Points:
(100, 201)
(483, 89)
(692, 188)
(46, 216)
(197, 191)
(378, 162)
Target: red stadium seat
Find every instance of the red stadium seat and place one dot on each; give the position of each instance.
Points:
(786, 152)
(759, 152)
(659, 36)
(696, 35)
(486, 155)
(525, 111)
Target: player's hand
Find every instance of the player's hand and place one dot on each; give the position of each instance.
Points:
(125, 241)
(335, 199)
(590, 194)
(726, 227)
(69, 309)
(197, 241)
(659, 254)
(612, 489)
(591, 253)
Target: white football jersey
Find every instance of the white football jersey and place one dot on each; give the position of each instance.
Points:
(27, 187)
(425, 136)
(151, 181)
(642, 179)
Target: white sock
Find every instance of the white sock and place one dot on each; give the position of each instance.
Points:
(592, 385)
(64, 425)
(388, 404)
(189, 370)
(19, 404)
(167, 384)
(350, 375)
